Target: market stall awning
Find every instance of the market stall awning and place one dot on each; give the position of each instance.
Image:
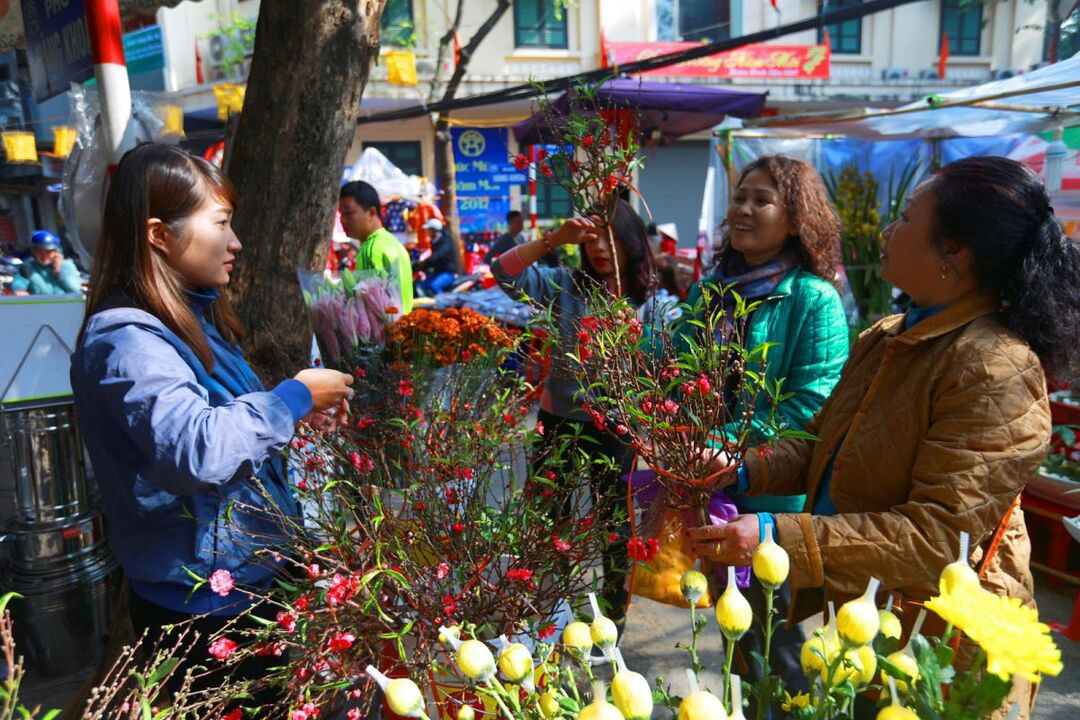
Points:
(675, 109)
(1030, 103)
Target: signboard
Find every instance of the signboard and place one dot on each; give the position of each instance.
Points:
(767, 62)
(484, 177)
(144, 50)
(57, 45)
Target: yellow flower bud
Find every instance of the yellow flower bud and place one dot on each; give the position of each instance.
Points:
(857, 622)
(604, 633)
(867, 662)
(600, 708)
(694, 585)
(896, 712)
(549, 704)
(824, 643)
(466, 713)
(516, 663)
(733, 612)
(475, 660)
(955, 576)
(577, 637)
(890, 624)
(906, 663)
(402, 694)
(702, 705)
(631, 693)
(771, 563)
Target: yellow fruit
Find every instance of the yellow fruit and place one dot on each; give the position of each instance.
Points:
(905, 663)
(733, 612)
(857, 622)
(702, 705)
(604, 633)
(896, 712)
(577, 636)
(549, 704)
(890, 624)
(466, 713)
(475, 660)
(956, 575)
(516, 663)
(404, 697)
(770, 563)
(693, 585)
(631, 693)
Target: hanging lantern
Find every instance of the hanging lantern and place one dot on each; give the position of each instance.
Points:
(20, 146)
(400, 67)
(230, 99)
(63, 140)
(173, 118)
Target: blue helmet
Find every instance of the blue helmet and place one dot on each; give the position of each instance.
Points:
(45, 240)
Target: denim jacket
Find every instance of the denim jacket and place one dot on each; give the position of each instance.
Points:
(179, 455)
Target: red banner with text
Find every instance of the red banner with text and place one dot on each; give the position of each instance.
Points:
(786, 62)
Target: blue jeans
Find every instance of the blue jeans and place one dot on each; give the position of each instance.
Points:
(437, 284)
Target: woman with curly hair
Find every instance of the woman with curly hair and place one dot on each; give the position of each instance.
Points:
(941, 416)
(781, 248)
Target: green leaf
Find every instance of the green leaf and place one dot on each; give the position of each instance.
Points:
(6, 598)
(163, 670)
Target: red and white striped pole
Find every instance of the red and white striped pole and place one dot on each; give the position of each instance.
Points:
(532, 191)
(110, 69)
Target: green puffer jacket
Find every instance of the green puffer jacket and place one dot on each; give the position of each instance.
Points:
(805, 319)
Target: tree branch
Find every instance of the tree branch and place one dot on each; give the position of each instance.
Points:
(470, 48)
(444, 43)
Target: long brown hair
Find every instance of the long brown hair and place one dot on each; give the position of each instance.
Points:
(157, 181)
(814, 222)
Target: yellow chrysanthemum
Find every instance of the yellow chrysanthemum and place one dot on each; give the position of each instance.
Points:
(1010, 634)
(801, 700)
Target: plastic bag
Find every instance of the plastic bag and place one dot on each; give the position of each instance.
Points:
(86, 172)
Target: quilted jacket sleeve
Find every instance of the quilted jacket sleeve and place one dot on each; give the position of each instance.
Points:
(988, 431)
(821, 348)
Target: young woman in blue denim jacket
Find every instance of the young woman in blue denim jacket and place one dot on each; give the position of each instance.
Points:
(184, 440)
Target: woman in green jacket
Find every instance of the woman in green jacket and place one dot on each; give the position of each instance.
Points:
(781, 248)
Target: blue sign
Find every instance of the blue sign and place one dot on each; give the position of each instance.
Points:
(57, 45)
(144, 50)
(484, 177)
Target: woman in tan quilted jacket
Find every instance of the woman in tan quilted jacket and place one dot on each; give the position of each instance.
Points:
(940, 417)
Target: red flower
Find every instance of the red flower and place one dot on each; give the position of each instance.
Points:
(612, 182)
(703, 384)
(765, 451)
(458, 527)
(302, 603)
(405, 388)
(287, 620)
(642, 551)
(547, 493)
(364, 423)
(301, 484)
(539, 427)
(519, 574)
(341, 589)
(360, 372)
(545, 170)
(588, 141)
(443, 571)
(451, 495)
(561, 545)
(270, 650)
(222, 648)
(362, 463)
(613, 538)
(586, 523)
(583, 337)
(670, 407)
(541, 153)
(420, 507)
(546, 631)
(313, 571)
(590, 323)
(521, 162)
(236, 714)
(622, 430)
(508, 418)
(341, 642)
(449, 605)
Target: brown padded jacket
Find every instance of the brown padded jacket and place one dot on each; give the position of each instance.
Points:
(941, 427)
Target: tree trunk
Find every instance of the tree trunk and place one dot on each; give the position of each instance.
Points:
(308, 73)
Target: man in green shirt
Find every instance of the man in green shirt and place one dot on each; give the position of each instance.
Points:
(361, 217)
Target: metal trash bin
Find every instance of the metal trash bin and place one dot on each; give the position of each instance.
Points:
(47, 463)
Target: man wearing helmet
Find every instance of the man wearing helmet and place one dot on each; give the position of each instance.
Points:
(48, 273)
